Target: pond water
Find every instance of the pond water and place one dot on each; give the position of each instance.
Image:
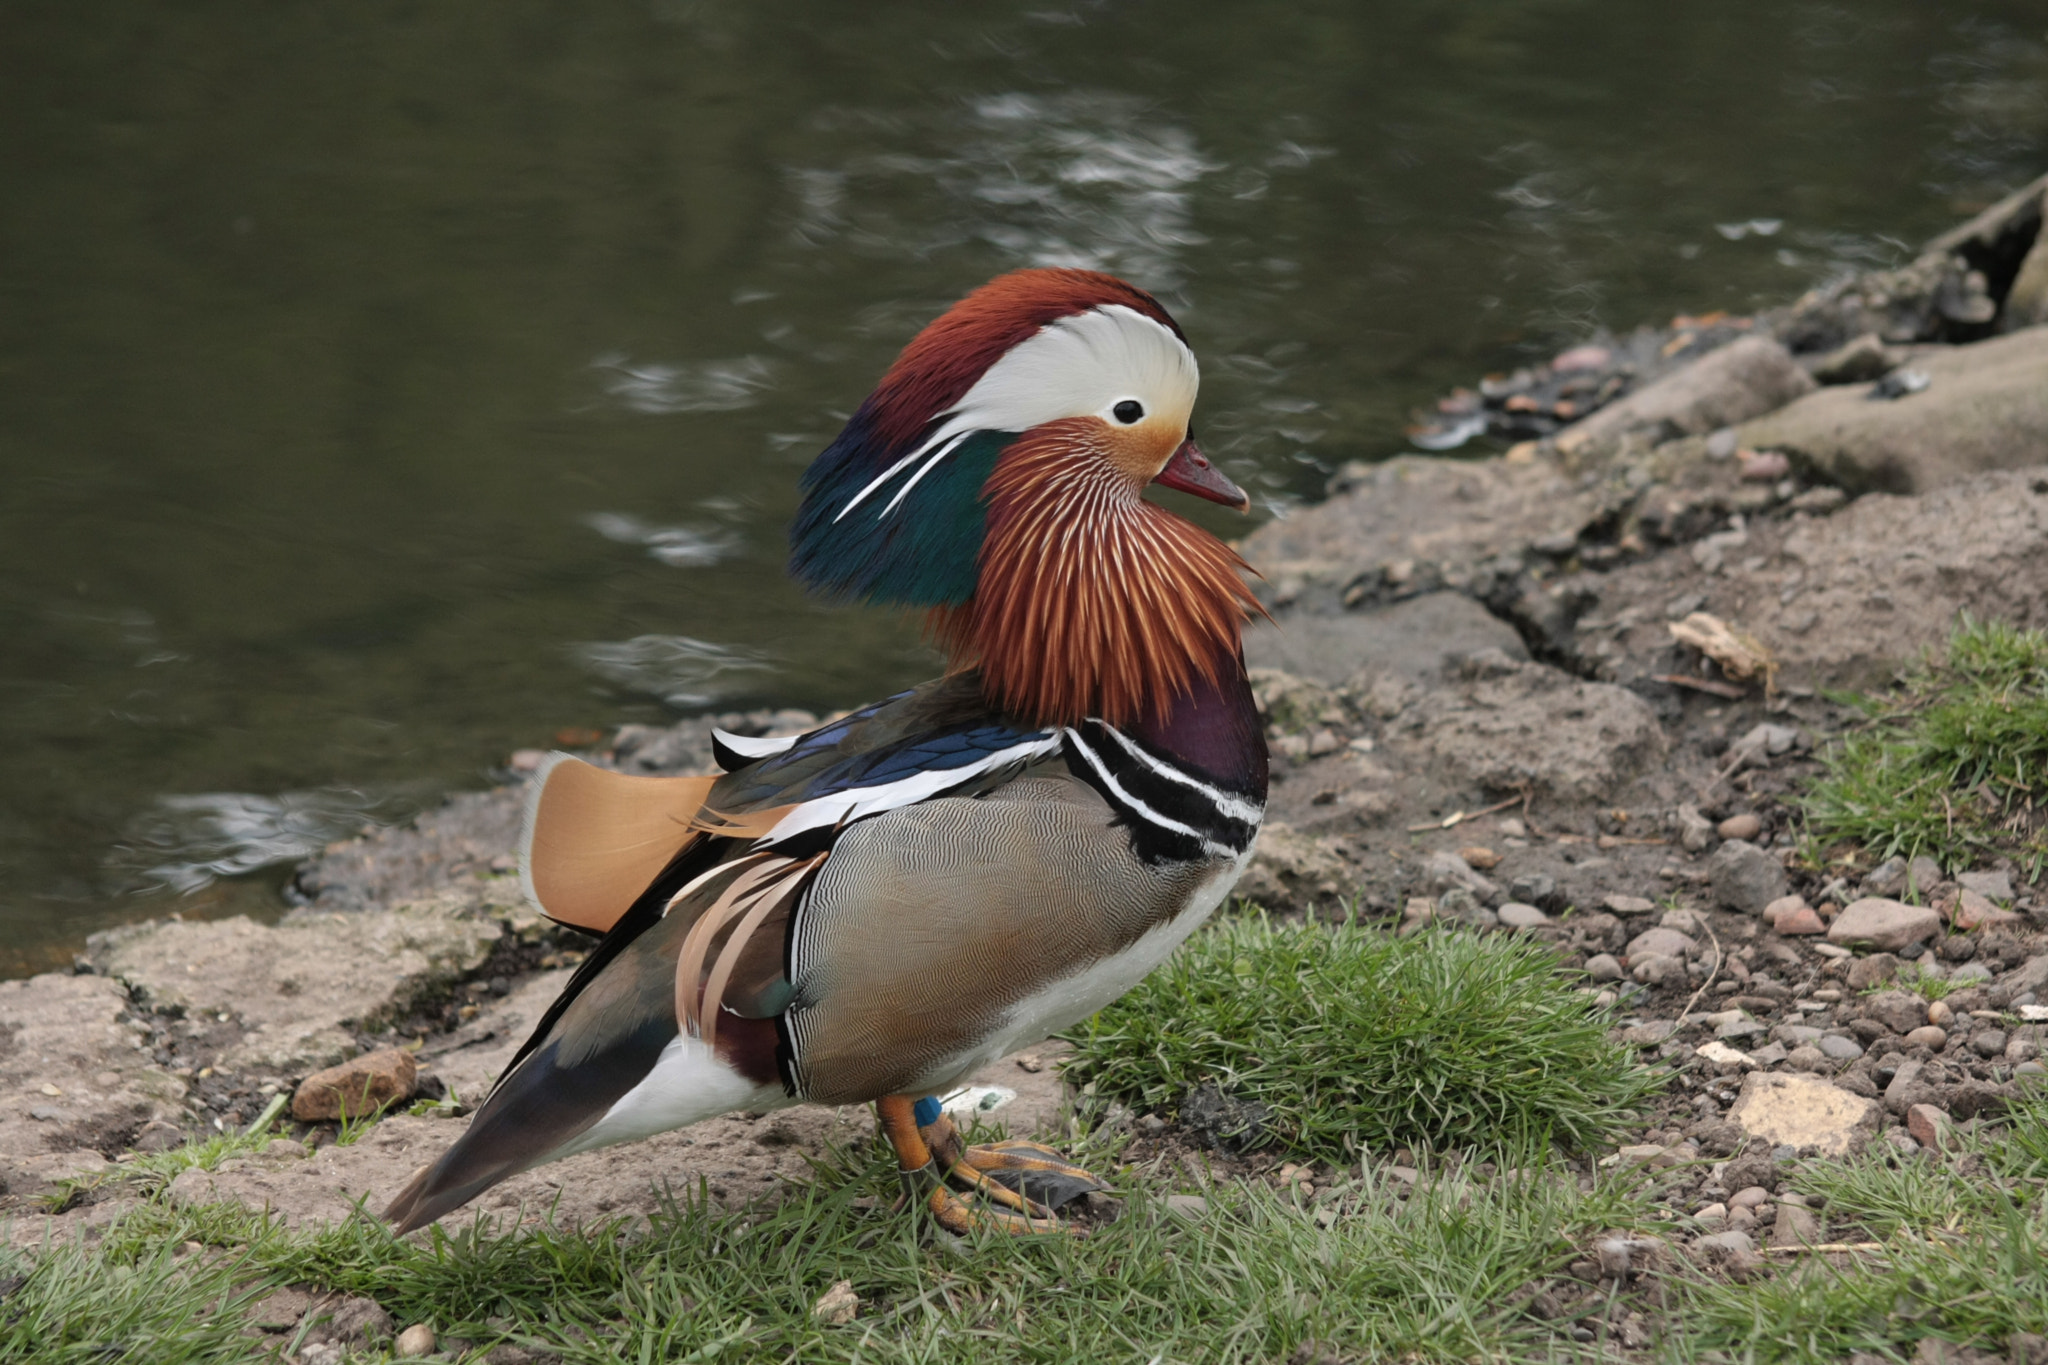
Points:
(384, 390)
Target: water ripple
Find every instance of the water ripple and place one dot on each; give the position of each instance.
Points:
(699, 386)
(679, 547)
(197, 839)
(680, 670)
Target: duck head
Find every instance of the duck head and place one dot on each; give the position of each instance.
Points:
(995, 478)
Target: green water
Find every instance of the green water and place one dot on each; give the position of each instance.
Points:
(386, 388)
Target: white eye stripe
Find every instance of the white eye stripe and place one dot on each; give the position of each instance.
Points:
(1078, 366)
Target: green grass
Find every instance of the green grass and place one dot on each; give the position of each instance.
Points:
(1954, 764)
(1360, 1041)
(1440, 1275)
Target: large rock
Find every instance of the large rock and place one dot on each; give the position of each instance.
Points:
(1741, 380)
(1532, 726)
(1412, 524)
(75, 1079)
(1887, 925)
(1412, 638)
(1985, 408)
(1842, 600)
(1789, 1109)
(296, 987)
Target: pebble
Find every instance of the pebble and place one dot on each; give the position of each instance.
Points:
(1995, 886)
(1836, 1047)
(1480, 859)
(1744, 877)
(414, 1342)
(1884, 924)
(1695, 831)
(1930, 1036)
(1630, 905)
(1187, 1205)
(1805, 1057)
(1661, 943)
(1803, 922)
(358, 1086)
(1940, 1013)
(1712, 1215)
(1534, 888)
(1515, 915)
(1743, 826)
(1988, 1043)
(1601, 966)
(1929, 1125)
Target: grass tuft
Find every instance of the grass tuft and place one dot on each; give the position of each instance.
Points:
(1954, 764)
(1356, 1040)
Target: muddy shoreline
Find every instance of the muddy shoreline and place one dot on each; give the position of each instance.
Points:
(1480, 711)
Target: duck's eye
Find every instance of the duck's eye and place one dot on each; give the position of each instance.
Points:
(1128, 411)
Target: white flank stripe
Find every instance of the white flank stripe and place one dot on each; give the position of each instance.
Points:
(861, 802)
(1209, 846)
(750, 747)
(1231, 807)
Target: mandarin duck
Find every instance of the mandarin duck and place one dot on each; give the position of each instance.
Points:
(877, 909)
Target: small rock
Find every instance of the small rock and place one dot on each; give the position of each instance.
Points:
(1929, 1036)
(1535, 888)
(1795, 1227)
(1899, 1011)
(1874, 970)
(838, 1305)
(1661, 943)
(1803, 1112)
(1929, 1126)
(1888, 878)
(1600, 966)
(1630, 905)
(1783, 905)
(1684, 921)
(1654, 969)
(1994, 886)
(1515, 915)
(1922, 875)
(1480, 859)
(1744, 877)
(1966, 909)
(1720, 1054)
(414, 1342)
(1898, 1095)
(1712, 1216)
(359, 1086)
(1940, 1012)
(1695, 831)
(1743, 826)
(1988, 1043)
(1762, 466)
(1803, 922)
(1187, 1205)
(1885, 924)
(1805, 1057)
(1837, 1048)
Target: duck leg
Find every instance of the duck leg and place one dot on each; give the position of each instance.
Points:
(1036, 1173)
(979, 1203)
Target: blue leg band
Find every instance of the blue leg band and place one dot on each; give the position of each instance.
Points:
(927, 1111)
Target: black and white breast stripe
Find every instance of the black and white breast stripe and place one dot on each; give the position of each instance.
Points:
(1174, 816)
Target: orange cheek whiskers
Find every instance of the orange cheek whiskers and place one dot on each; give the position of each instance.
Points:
(1092, 601)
